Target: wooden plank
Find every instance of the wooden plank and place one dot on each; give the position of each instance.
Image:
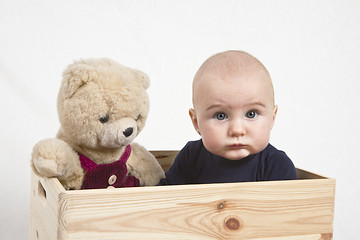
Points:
(279, 210)
(302, 237)
(43, 211)
(303, 174)
(165, 158)
(45, 194)
(207, 211)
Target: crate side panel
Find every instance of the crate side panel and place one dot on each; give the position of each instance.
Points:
(303, 174)
(43, 209)
(211, 211)
(165, 158)
(301, 237)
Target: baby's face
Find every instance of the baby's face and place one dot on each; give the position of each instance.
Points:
(234, 114)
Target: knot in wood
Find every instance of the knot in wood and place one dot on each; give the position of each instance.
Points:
(221, 205)
(232, 223)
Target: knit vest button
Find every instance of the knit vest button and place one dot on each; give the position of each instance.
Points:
(112, 179)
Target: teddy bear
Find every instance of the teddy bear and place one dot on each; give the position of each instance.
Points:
(102, 106)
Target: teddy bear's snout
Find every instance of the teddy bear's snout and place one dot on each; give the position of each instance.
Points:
(118, 133)
(128, 132)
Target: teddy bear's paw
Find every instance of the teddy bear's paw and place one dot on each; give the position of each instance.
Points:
(143, 165)
(54, 158)
(73, 182)
(48, 167)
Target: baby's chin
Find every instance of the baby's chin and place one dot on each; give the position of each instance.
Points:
(235, 154)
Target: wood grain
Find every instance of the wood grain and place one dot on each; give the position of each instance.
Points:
(44, 198)
(277, 210)
(211, 211)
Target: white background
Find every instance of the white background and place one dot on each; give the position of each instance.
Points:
(311, 48)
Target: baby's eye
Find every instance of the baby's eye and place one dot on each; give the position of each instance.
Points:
(220, 116)
(251, 114)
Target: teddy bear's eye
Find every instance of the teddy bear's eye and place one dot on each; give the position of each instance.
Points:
(104, 118)
(138, 117)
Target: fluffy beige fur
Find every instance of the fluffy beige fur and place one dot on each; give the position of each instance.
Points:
(97, 101)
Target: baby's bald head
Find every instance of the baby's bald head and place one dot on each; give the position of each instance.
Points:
(230, 64)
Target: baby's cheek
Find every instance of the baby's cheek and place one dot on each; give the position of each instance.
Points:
(261, 140)
(209, 143)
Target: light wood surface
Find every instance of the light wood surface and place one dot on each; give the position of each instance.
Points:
(277, 210)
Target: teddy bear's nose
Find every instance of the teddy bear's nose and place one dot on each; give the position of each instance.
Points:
(128, 132)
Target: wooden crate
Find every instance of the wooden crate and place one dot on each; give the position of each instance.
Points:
(300, 209)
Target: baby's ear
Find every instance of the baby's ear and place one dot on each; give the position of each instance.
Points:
(194, 120)
(275, 111)
(274, 115)
(75, 76)
(143, 78)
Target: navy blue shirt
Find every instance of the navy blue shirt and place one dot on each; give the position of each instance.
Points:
(194, 164)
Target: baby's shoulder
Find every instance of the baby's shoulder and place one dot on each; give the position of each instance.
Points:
(271, 154)
(190, 152)
(277, 165)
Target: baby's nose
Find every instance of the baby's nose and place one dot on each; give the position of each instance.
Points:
(237, 128)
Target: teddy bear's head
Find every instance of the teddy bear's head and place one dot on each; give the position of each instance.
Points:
(102, 104)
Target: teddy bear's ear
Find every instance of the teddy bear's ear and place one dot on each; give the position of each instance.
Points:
(75, 76)
(143, 78)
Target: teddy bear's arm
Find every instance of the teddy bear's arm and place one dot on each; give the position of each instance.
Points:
(55, 158)
(143, 165)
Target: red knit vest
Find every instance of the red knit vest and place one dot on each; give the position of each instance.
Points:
(108, 175)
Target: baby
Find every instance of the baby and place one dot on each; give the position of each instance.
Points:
(234, 112)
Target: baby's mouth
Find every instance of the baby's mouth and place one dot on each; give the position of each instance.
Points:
(237, 146)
